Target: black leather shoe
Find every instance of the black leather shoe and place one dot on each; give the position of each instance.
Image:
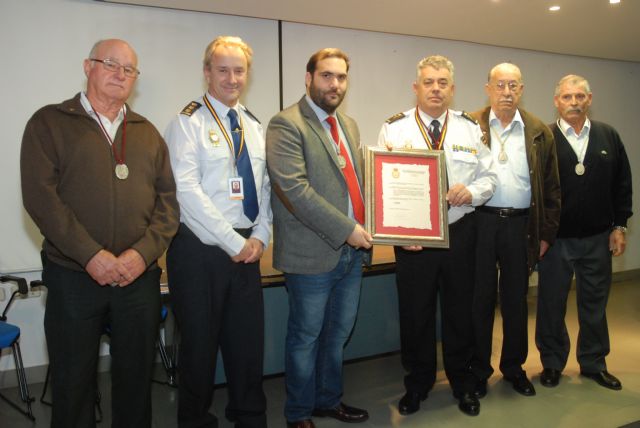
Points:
(481, 389)
(468, 403)
(522, 384)
(605, 379)
(307, 423)
(550, 377)
(343, 413)
(410, 402)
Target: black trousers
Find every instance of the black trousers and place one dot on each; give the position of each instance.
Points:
(217, 304)
(419, 276)
(76, 312)
(502, 243)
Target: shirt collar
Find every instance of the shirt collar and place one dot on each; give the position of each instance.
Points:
(428, 119)
(517, 118)
(322, 115)
(87, 106)
(568, 129)
(220, 108)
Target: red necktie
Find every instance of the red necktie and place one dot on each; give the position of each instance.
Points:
(349, 174)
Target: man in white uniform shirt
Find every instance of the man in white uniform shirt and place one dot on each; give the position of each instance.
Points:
(515, 227)
(218, 158)
(422, 272)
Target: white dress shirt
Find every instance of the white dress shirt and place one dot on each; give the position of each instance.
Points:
(514, 184)
(578, 142)
(202, 168)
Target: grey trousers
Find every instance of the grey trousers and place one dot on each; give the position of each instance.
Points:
(590, 259)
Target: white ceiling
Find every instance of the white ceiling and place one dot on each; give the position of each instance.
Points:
(592, 28)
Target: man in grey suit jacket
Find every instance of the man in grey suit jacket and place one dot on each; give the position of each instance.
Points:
(315, 165)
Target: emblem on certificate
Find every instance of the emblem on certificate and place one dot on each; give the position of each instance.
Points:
(122, 171)
(214, 138)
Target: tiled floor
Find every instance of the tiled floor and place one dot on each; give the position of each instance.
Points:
(377, 385)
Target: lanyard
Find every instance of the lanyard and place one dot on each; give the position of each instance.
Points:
(119, 160)
(224, 131)
(428, 136)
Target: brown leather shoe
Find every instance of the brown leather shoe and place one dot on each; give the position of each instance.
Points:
(343, 413)
(307, 423)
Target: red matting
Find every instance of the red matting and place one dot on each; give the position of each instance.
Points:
(434, 186)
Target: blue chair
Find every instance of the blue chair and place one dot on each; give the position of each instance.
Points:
(9, 335)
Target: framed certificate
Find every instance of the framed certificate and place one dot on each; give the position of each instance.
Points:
(405, 197)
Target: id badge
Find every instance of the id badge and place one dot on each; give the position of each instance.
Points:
(236, 188)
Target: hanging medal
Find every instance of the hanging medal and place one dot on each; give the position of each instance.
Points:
(502, 155)
(579, 169)
(121, 170)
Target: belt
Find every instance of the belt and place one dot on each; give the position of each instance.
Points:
(246, 233)
(504, 212)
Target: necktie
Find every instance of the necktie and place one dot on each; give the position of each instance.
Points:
(349, 174)
(243, 164)
(435, 130)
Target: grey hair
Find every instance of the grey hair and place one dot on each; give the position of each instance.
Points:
(573, 79)
(437, 62)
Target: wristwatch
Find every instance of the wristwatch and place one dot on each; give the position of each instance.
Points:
(622, 229)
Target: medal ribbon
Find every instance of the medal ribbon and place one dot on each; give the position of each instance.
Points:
(428, 136)
(224, 131)
(119, 160)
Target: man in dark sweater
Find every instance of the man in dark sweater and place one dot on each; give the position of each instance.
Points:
(595, 178)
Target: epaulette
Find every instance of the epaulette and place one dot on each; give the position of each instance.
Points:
(246, 110)
(190, 108)
(468, 117)
(396, 117)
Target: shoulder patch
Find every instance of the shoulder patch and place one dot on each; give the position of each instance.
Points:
(251, 115)
(468, 117)
(396, 117)
(190, 108)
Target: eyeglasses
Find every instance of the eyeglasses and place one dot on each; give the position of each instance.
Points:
(115, 66)
(512, 85)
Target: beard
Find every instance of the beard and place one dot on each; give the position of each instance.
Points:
(326, 100)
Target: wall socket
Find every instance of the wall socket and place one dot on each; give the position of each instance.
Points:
(33, 292)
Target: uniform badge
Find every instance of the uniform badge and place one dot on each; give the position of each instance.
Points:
(190, 108)
(395, 117)
(214, 138)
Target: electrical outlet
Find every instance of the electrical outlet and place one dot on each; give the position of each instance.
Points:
(33, 292)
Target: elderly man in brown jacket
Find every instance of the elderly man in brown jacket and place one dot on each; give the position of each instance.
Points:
(97, 182)
(515, 227)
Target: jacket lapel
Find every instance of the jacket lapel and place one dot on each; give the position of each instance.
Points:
(318, 129)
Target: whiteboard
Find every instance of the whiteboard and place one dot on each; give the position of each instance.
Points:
(43, 44)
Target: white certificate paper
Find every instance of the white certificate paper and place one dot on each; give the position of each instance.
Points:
(406, 196)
